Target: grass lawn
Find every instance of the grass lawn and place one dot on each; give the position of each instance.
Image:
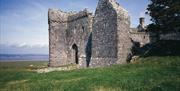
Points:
(147, 74)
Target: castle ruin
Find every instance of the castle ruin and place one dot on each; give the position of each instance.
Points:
(90, 41)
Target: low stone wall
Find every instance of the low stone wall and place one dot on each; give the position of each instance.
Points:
(142, 37)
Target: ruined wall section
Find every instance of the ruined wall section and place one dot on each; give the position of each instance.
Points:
(111, 43)
(66, 29)
(57, 37)
(104, 35)
(79, 27)
(124, 42)
(142, 38)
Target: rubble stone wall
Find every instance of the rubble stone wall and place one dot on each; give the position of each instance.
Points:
(104, 35)
(110, 38)
(141, 37)
(57, 37)
(78, 32)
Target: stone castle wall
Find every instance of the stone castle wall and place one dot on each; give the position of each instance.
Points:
(57, 37)
(142, 38)
(110, 38)
(124, 42)
(66, 30)
(104, 35)
(78, 32)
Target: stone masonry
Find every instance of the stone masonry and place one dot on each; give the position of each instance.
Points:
(87, 40)
(68, 36)
(110, 38)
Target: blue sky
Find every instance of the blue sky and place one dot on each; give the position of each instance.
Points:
(24, 23)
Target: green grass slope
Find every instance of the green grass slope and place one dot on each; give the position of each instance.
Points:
(146, 74)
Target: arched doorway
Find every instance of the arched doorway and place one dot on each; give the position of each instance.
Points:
(75, 48)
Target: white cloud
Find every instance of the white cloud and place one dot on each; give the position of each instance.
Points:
(22, 45)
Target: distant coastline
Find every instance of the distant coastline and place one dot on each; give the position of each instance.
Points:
(23, 57)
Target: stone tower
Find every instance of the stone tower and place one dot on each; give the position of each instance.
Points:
(68, 36)
(141, 27)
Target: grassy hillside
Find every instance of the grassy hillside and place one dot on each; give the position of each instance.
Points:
(146, 74)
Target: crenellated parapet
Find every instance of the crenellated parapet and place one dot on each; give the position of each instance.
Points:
(58, 16)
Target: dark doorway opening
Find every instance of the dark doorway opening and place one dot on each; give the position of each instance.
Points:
(75, 48)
